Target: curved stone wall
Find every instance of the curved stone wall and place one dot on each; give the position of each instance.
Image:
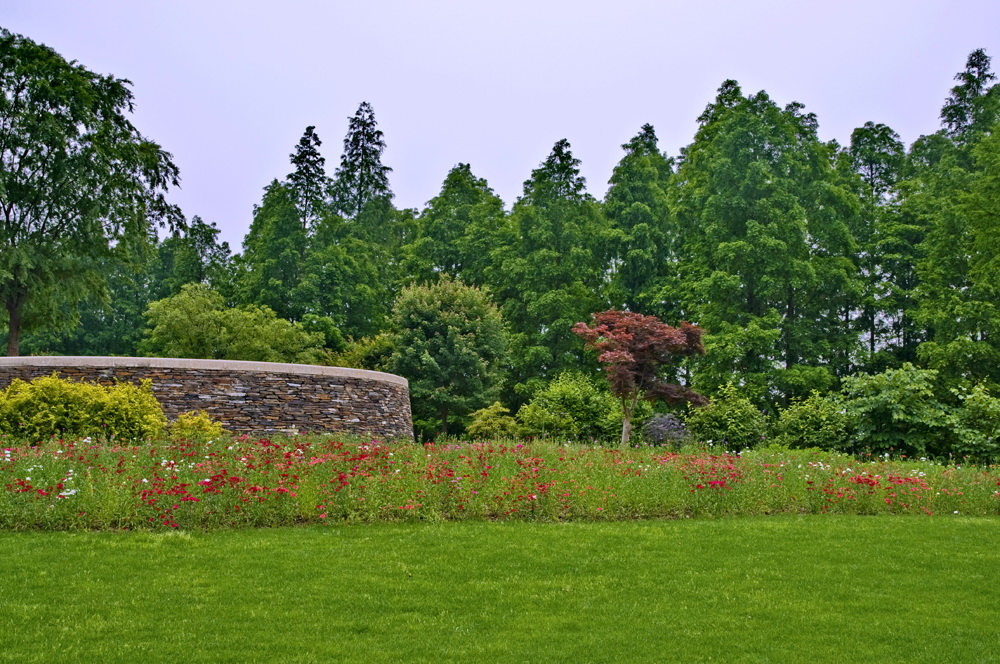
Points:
(250, 397)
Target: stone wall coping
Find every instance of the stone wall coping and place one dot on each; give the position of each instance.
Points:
(56, 361)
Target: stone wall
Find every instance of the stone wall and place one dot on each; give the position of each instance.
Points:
(250, 397)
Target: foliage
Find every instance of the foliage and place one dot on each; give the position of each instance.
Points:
(493, 421)
(196, 425)
(897, 411)
(973, 106)
(361, 177)
(766, 247)
(449, 344)
(634, 350)
(191, 255)
(571, 407)
(274, 249)
(454, 230)
(549, 269)
(50, 406)
(196, 324)
(665, 429)
(80, 187)
(638, 206)
(730, 419)
(817, 421)
(308, 182)
(975, 425)
(371, 353)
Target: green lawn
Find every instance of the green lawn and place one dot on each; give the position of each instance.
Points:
(778, 589)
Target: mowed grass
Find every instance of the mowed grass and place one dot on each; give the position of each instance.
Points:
(766, 589)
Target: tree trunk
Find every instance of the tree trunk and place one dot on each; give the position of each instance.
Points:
(14, 326)
(628, 407)
(444, 422)
(626, 428)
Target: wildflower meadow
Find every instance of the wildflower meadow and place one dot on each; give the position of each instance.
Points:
(241, 481)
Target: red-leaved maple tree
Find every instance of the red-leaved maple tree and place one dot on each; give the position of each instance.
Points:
(634, 350)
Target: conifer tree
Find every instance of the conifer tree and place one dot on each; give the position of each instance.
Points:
(361, 176)
(550, 268)
(767, 248)
(455, 230)
(308, 182)
(637, 205)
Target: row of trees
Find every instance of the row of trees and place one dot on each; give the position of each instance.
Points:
(804, 261)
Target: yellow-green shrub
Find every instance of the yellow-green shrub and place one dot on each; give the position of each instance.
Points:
(196, 425)
(492, 422)
(51, 406)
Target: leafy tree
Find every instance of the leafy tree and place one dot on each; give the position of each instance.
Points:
(346, 280)
(635, 349)
(274, 249)
(973, 106)
(953, 193)
(196, 324)
(454, 231)
(80, 187)
(191, 255)
(308, 182)
(111, 325)
(637, 205)
(449, 344)
(549, 268)
(361, 176)
(961, 286)
(766, 261)
(877, 156)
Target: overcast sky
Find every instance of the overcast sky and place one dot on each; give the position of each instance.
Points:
(229, 87)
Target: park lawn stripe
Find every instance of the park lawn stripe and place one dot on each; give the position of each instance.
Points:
(777, 589)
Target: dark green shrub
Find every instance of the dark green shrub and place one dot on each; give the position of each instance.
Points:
(896, 411)
(975, 425)
(50, 406)
(815, 422)
(730, 420)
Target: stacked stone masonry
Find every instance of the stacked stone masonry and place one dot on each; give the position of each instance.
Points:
(248, 397)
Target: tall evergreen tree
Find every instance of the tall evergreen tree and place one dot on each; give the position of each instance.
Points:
(876, 156)
(953, 193)
(450, 235)
(767, 244)
(308, 182)
(550, 268)
(973, 106)
(638, 206)
(272, 263)
(361, 176)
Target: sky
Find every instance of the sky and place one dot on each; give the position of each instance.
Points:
(229, 87)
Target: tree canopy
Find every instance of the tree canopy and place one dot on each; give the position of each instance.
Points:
(80, 188)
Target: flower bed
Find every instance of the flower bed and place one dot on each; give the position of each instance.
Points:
(260, 482)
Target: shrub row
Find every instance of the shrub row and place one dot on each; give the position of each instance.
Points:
(50, 407)
(900, 412)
